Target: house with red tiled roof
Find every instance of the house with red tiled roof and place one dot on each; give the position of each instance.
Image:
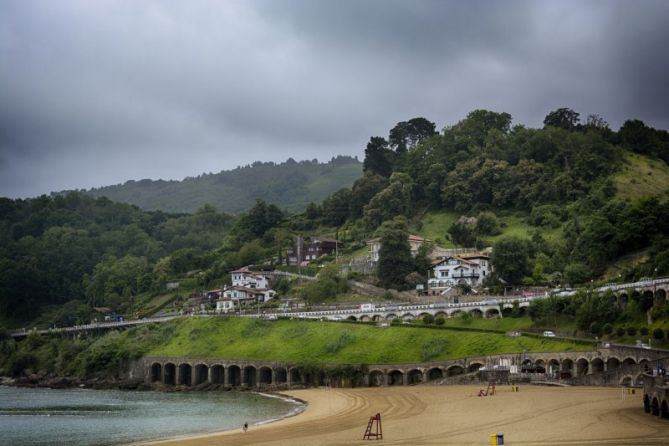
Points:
(374, 246)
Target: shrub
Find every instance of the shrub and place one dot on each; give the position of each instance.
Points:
(431, 349)
(643, 331)
(607, 329)
(466, 318)
(620, 332)
(596, 328)
(344, 339)
(21, 362)
(658, 334)
(428, 319)
(440, 321)
(631, 331)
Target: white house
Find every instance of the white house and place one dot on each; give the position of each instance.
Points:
(246, 278)
(247, 290)
(471, 269)
(374, 246)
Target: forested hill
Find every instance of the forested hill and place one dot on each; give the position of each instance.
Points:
(290, 185)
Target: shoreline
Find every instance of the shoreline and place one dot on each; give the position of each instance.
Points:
(453, 415)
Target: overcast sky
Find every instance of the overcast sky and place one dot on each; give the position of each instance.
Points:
(95, 93)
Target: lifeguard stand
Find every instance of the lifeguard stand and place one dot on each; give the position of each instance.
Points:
(374, 430)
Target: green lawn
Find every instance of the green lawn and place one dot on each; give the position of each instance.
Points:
(337, 343)
(642, 176)
(434, 225)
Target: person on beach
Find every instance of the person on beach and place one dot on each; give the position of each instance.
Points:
(246, 426)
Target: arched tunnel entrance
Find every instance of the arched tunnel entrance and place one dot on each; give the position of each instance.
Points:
(217, 374)
(415, 377)
(201, 372)
(170, 374)
(185, 374)
(249, 378)
(395, 378)
(265, 375)
(234, 376)
(156, 372)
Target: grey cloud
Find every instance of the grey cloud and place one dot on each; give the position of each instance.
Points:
(95, 93)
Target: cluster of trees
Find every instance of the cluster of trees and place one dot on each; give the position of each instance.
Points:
(73, 247)
(559, 176)
(600, 313)
(290, 185)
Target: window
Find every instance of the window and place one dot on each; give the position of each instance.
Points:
(443, 273)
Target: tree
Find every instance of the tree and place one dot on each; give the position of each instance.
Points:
(462, 234)
(336, 207)
(510, 258)
(363, 190)
(564, 118)
(379, 158)
(395, 261)
(406, 134)
(487, 224)
(392, 201)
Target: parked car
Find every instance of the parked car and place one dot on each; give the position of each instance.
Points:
(549, 334)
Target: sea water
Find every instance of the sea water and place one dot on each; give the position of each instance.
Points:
(78, 417)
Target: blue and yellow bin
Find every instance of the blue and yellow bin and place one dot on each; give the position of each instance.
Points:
(496, 439)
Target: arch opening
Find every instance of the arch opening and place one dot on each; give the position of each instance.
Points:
(217, 375)
(597, 365)
(295, 376)
(376, 378)
(265, 375)
(156, 372)
(582, 367)
(455, 370)
(185, 374)
(170, 374)
(395, 378)
(280, 375)
(250, 379)
(201, 372)
(234, 376)
(434, 374)
(415, 377)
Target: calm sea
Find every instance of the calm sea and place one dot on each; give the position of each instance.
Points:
(77, 417)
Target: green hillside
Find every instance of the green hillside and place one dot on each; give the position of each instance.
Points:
(290, 185)
(642, 177)
(338, 343)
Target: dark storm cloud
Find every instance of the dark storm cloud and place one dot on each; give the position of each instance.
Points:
(95, 93)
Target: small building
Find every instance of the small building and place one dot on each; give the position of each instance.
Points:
(374, 246)
(248, 289)
(244, 277)
(307, 249)
(465, 269)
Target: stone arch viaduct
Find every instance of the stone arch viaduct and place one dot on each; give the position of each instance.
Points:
(594, 367)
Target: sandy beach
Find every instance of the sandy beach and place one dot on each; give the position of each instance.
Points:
(454, 415)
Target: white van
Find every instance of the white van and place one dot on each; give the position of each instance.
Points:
(549, 334)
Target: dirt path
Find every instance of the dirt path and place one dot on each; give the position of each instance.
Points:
(453, 415)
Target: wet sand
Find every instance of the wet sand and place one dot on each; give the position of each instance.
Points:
(454, 415)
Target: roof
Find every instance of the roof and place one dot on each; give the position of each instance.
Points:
(411, 238)
(474, 255)
(458, 258)
(323, 239)
(244, 269)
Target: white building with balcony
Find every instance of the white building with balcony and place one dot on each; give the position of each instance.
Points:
(466, 269)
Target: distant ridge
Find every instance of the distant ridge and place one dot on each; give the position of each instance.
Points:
(291, 185)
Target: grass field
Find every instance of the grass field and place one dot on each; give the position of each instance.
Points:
(642, 176)
(338, 343)
(434, 226)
